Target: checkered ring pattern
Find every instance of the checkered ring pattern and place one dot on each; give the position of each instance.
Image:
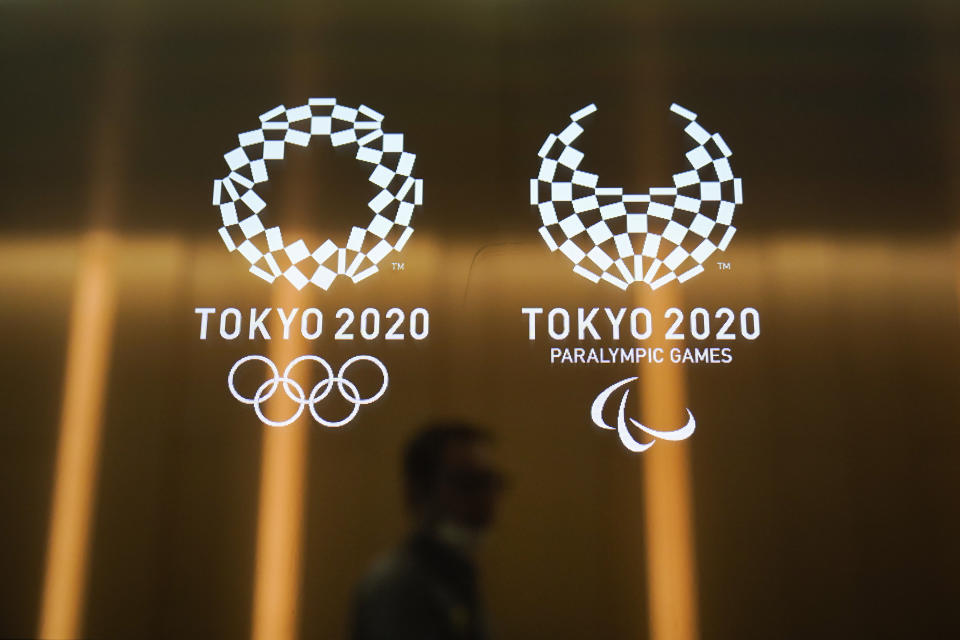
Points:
(241, 208)
(663, 235)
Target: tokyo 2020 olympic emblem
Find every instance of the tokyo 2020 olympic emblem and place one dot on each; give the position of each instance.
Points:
(270, 255)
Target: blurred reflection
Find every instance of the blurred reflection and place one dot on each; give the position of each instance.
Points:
(280, 521)
(428, 587)
(667, 493)
(81, 428)
(89, 351)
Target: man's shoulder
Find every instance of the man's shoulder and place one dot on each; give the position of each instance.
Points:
(395, 572)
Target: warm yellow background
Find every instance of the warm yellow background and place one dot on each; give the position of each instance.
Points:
(817, 497)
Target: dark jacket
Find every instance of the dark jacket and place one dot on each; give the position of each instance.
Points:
(426, 590)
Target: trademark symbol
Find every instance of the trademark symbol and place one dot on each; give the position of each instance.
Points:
(723, 266)
(398, 266)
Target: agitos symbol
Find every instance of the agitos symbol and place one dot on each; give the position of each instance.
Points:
(626, 438)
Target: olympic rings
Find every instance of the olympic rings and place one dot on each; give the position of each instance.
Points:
(347, 389)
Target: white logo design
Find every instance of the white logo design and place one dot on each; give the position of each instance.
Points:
(596, 227)
(296, 393)
(596, 412)
(392, 207)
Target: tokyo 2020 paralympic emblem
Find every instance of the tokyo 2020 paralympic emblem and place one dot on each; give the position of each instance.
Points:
(622, 238)
(270, 255)
(663, 235)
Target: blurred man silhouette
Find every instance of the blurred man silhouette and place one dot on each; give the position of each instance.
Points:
(427, 588)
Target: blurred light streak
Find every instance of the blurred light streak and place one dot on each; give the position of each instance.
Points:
(88, 356)
(671, 566)
(668, 508)
(81, 422)
(283, 468)
(944, 31)
(284, 454)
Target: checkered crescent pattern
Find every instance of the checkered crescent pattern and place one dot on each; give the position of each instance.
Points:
(656, 237)
(398, 194)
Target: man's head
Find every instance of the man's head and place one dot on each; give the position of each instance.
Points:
(450, 476)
